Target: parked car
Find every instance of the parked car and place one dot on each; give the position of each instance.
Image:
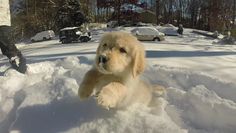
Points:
(168, 30)
(112, 24)
(148, 34)
(73, 34)
(42, 36)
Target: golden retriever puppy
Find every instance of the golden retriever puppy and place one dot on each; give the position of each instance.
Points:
(120, 59)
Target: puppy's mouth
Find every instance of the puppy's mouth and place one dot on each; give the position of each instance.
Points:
(102, 61)
(102, 68)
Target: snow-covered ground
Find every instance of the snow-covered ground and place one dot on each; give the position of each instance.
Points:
(199, 78)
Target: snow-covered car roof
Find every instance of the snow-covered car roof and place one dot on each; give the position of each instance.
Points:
(146, 27)
(168, 25)
(69, 28)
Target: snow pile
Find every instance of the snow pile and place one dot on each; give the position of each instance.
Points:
(135, 119)
(44, 82)
(197, 102)
(45, 100)
(204, 109)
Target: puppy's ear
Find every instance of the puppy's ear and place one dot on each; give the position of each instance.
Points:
(138, 60)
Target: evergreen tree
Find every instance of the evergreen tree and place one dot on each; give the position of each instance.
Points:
(69, 14)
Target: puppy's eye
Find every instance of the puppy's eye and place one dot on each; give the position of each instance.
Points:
(122, 50)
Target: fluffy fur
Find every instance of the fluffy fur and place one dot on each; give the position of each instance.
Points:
(120, 59)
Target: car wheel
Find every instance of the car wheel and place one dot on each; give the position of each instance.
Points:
(156, 39)
(63, 41)
(84, 39)
(81, 39)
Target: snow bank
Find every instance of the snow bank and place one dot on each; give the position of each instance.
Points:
(135, 119)
(44, 82)
(49, 103)
(196, 101)
(45, 100)
(204, 109)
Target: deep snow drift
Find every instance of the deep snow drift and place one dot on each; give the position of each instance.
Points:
(198, 76)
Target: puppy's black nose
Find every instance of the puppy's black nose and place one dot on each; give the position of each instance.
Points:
(102, 59)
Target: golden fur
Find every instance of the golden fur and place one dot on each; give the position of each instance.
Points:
(115, 78)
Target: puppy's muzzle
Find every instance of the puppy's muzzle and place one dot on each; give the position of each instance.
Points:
(102, 59)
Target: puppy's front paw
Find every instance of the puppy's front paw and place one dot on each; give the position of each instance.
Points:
(106, 98)
(84, 93)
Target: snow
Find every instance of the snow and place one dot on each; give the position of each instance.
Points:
(199, 77)
(69, 28)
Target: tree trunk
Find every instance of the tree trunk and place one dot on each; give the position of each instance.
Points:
(180, 12)
(170, 14)
(157, 11)
(234, 13)
(118, 11)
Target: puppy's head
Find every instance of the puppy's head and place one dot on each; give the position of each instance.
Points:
(120, 53)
